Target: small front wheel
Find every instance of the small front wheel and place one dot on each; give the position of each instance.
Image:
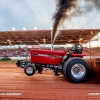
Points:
(29, 69)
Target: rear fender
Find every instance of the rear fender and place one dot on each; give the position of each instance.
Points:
(77, 55)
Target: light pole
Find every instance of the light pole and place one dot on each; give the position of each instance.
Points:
(51, 38)
(44, 41)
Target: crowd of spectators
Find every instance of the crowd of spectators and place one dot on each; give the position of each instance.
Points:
(20, 52)
(14, 52)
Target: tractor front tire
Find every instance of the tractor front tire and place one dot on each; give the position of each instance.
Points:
(76, 70)
(18, 63)
(30, 69)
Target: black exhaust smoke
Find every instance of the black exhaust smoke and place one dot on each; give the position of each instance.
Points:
(62, 6)
(66, 9)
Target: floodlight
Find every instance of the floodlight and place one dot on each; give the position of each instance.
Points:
(13, 28)
(35, 28)
(36, 41)
(51, 28)
(75, 27)
(24, 28)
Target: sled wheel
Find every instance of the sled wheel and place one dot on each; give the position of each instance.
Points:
(76, 70)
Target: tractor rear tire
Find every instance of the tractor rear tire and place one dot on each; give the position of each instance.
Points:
(76, 70)
(30, 69)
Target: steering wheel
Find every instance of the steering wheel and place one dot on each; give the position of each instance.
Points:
(77, 48)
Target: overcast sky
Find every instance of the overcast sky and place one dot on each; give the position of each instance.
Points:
(38, 13)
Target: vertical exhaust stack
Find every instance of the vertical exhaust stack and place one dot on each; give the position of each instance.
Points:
(66, 9)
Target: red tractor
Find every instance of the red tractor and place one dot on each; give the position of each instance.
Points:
(70, 63)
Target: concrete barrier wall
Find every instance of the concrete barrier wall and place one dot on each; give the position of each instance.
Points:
(17, 58)
(20, 58)
(92, 57)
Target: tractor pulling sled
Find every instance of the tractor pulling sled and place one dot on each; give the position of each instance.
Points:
(70, 63)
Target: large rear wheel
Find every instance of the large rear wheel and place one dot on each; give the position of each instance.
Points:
(76, 70)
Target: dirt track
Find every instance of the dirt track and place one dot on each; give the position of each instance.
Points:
(43, 87)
